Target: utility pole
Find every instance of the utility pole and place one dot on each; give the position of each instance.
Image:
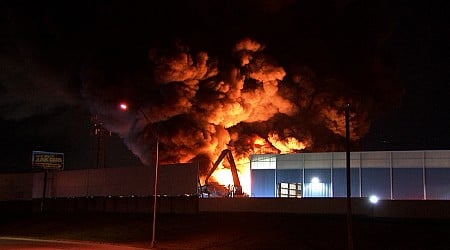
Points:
(100, 133)
(349, 192)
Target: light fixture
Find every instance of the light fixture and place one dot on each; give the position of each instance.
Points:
(315, 180)
(373, 199)
(123, 106)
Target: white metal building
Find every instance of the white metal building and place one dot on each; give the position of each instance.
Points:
(407, 175)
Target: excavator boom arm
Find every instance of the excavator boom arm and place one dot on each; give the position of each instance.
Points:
(216, 164)
(233, 170)
(227, 153)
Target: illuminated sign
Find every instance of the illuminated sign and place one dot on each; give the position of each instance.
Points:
(47, 160)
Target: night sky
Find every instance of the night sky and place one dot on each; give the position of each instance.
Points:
(64, 61)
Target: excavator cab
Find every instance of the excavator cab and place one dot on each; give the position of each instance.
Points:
(214, 189)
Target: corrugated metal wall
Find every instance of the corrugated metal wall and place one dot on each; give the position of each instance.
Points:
(173, 180)
(408, 175)
(16, 186)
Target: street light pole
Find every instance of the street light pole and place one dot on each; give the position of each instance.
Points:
(155, 188)
(124, 106)
(152, 245)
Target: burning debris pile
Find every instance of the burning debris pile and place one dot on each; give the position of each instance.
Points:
(197, 105)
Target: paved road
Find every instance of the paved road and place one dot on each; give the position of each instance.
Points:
(16, 243)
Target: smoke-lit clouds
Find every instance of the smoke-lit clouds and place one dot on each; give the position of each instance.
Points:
(254, 76)
(198, 105)
(29, 87)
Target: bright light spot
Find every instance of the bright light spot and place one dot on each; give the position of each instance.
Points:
(243, 166)
(223, 176)
(316, 186)
(123, 106)
(373, 199)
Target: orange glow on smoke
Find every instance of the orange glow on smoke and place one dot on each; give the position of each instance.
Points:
(287, 145)
(251, 109)
(261, 146)
(260, 141)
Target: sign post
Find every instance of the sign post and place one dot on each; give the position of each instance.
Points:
(44, 190)
(46, 161)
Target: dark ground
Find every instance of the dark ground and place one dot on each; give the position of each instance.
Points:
(232, 231)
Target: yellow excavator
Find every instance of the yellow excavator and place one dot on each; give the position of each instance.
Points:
(214, 189)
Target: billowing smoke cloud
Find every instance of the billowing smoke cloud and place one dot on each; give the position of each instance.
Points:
(29, 87)
(197, 105)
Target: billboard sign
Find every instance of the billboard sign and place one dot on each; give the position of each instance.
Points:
(47, 160)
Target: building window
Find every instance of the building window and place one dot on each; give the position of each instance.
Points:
(290, 190)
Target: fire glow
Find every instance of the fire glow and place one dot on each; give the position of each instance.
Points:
(224, 177)
(198, 107)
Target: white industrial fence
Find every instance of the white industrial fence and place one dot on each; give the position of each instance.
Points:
(110, 204)
(173, 180)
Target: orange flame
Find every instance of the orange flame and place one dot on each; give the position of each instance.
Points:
(243, 166)
(287, 145)
(259, 141)
(224, 177)
(257, 145)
